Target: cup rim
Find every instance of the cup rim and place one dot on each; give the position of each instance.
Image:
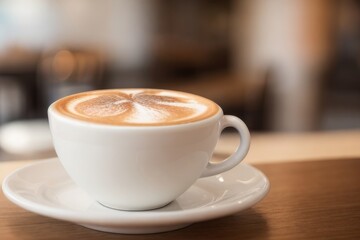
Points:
(76, 122)
(52, 112)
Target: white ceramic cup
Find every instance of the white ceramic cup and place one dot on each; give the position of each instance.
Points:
(141, 167)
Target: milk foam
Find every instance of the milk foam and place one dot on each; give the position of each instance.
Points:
(129, 107)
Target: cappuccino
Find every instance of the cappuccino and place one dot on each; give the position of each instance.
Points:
(136, 107)
(146, 155)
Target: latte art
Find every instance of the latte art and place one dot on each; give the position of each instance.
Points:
(136, 107)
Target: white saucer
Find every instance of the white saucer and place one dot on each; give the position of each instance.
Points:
(46, 189)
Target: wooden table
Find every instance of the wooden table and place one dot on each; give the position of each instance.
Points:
(315, 194)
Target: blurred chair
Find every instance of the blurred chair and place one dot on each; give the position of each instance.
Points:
(68, 71)
(17, 83)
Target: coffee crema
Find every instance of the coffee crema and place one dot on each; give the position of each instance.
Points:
(136, 107)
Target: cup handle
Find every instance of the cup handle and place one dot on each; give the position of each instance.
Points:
(241, 151)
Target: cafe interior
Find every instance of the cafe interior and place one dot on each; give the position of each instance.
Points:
(289, 69)
(283, 67)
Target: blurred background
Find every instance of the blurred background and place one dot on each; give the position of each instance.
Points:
(280, 65)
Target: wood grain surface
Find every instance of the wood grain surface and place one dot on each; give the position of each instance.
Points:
(307, 200)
